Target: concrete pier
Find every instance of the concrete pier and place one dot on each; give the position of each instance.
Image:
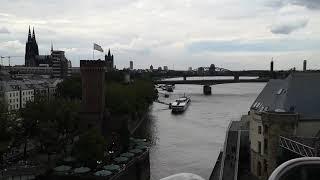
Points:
(206, 89)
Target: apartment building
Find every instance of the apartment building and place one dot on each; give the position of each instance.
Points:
(16, 93)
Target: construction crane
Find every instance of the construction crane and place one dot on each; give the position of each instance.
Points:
(9, 59)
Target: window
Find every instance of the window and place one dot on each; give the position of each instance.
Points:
(265, 129)
(265, 146)
(10, 100)
(259, 147)
(259, 169)
(265, 165)
(23, 93)
(259, 129)
(281, 91)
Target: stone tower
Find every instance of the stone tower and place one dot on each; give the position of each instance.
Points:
(109, 61)
(93, 93)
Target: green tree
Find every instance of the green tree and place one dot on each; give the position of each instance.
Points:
(5, 134)
(52, 123)
(70, 88)
(131, 98)
(4, 122)
(90, 147)
(67, 117)
(31, 115)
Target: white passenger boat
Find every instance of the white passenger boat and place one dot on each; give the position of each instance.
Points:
(180, 104)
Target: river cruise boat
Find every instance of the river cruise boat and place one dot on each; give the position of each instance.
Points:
(181, 104)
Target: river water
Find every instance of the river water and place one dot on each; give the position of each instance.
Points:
(191, 142)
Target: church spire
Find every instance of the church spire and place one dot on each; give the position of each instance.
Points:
(109, 54)
(51, 46)
(29, 35)
(33, 34)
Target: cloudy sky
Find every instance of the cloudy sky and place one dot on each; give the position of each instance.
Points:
(234, 34)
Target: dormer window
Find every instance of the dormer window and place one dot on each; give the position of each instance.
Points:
(281, 91)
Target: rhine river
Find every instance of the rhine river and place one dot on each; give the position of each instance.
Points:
(191, 141)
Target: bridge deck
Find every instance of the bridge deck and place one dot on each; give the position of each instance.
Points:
(211, 82)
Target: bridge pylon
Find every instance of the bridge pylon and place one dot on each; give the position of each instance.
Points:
(207, 89)
(184, 78)
(236, 77)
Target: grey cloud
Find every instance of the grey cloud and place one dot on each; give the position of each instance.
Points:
(4, 30)
(311, 4)
(288, 27)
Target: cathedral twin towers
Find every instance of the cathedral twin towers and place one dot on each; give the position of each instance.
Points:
(56, 61)
(32, 50)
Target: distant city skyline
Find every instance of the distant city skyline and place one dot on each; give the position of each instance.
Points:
(171, 33)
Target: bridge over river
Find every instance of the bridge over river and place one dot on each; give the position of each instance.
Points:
(211, 81)
(208, 82)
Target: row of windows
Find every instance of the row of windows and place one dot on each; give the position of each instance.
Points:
(14, 94)
(24, 99)
(13, 100)
(28, 98)
(12, 107)
(27, 93)
(258, 105)
(16, 106)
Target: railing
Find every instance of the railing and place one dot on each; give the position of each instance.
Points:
(296, 147)
(292, 165)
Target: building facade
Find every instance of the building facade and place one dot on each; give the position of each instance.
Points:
(284, 108)
(131, 65)
(165, 68)
(16, 93)
(59, 64)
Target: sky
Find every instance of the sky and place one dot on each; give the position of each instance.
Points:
(232, 34)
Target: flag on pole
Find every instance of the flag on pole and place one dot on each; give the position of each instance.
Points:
(97, 47)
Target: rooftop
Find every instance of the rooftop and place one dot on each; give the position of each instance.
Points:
(298, 93)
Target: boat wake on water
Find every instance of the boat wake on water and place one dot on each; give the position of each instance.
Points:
(183, 176)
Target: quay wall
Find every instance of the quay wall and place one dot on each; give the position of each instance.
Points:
(137, 170)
